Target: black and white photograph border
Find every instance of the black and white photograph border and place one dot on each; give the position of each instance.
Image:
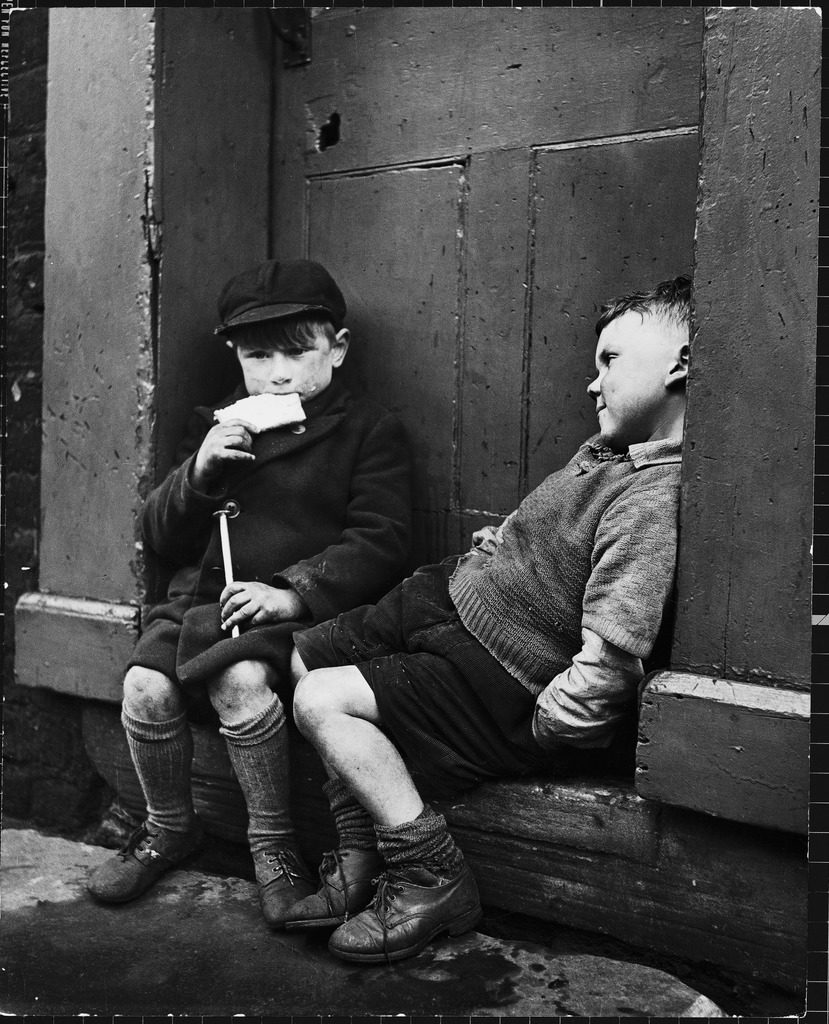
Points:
(479, 180)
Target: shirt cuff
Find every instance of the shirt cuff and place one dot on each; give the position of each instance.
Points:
(583, 704)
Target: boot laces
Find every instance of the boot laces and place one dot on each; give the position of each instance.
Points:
(139, 839)
(284, 863)
(331, 860)
(389, 887)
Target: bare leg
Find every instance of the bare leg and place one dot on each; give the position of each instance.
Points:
(335, 709)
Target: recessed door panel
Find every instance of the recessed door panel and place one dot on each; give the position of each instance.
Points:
(391, 240)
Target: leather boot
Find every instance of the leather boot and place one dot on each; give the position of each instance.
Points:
(145, 857)
(411, 907)
(283, 880)
(346, 878)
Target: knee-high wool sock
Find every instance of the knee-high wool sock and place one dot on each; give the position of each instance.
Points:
(162, 753)
(355, 827)
(258, 749)
(422, 843)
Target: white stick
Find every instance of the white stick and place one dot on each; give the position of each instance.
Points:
(224, 533)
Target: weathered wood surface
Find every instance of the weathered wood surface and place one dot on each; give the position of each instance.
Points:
(72, 645)
(495, 354)
(211, 187)
(602, 818)
(455, 166)
(127, 354)
(607, 219)
(744, 565)
(736, 750)
(592, 856)
(373, 232)
(415, 84)
(98, 358)
(718, 892)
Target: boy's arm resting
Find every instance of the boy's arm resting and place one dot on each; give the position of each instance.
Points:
(633, 567)
(583, 704)
(177, 517)
(370, 556)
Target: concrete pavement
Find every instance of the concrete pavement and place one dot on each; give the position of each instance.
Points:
(196, 944)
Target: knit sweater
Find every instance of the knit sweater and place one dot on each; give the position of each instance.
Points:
(592, 546)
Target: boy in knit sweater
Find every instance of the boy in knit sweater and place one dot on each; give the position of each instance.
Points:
(501, 661)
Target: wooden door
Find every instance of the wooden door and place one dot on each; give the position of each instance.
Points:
(478, 182)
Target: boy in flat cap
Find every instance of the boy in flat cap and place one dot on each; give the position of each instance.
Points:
(502, 661)
(317, 514)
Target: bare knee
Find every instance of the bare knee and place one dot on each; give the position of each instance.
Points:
(151, 696)
(242, 690)
(317, 698)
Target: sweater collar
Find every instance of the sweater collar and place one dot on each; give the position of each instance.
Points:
(662, 452)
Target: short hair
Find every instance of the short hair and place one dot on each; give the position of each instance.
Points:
(292, 334)
(669, 299)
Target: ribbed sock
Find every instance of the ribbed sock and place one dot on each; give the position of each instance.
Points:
(422, 843)
(355, 826)
(258, 750)
(162, 753)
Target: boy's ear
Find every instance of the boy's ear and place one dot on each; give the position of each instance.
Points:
(678, 372)
(340, 346)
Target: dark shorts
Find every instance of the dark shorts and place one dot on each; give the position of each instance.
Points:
(456, 715)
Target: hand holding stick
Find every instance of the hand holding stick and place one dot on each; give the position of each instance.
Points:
(229, 511)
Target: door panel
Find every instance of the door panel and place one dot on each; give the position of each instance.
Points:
(494, 352)
(608, 219)
(415, 84)
(372, 231)
(490, 177)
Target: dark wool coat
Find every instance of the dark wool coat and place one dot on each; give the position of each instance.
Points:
(326, 511)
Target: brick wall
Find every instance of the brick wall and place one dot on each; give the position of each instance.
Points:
(47, 778)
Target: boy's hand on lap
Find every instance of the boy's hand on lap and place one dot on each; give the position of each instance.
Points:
(257, 603)
(230, 441)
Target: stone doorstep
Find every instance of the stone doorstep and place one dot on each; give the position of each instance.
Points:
(197, 944)
(580, 853)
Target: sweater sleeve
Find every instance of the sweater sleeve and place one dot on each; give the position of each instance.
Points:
(370, 555)
(633, 567)
(177, 518)
(584, 703)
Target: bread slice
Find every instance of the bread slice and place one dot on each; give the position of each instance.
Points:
(264, 412)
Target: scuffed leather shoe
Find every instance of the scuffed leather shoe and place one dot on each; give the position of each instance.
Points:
(145, 857)
(347, 885)
(408, 911)
(283, 880)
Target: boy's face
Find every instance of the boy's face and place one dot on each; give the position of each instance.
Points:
(268, 370)
(642, 363)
